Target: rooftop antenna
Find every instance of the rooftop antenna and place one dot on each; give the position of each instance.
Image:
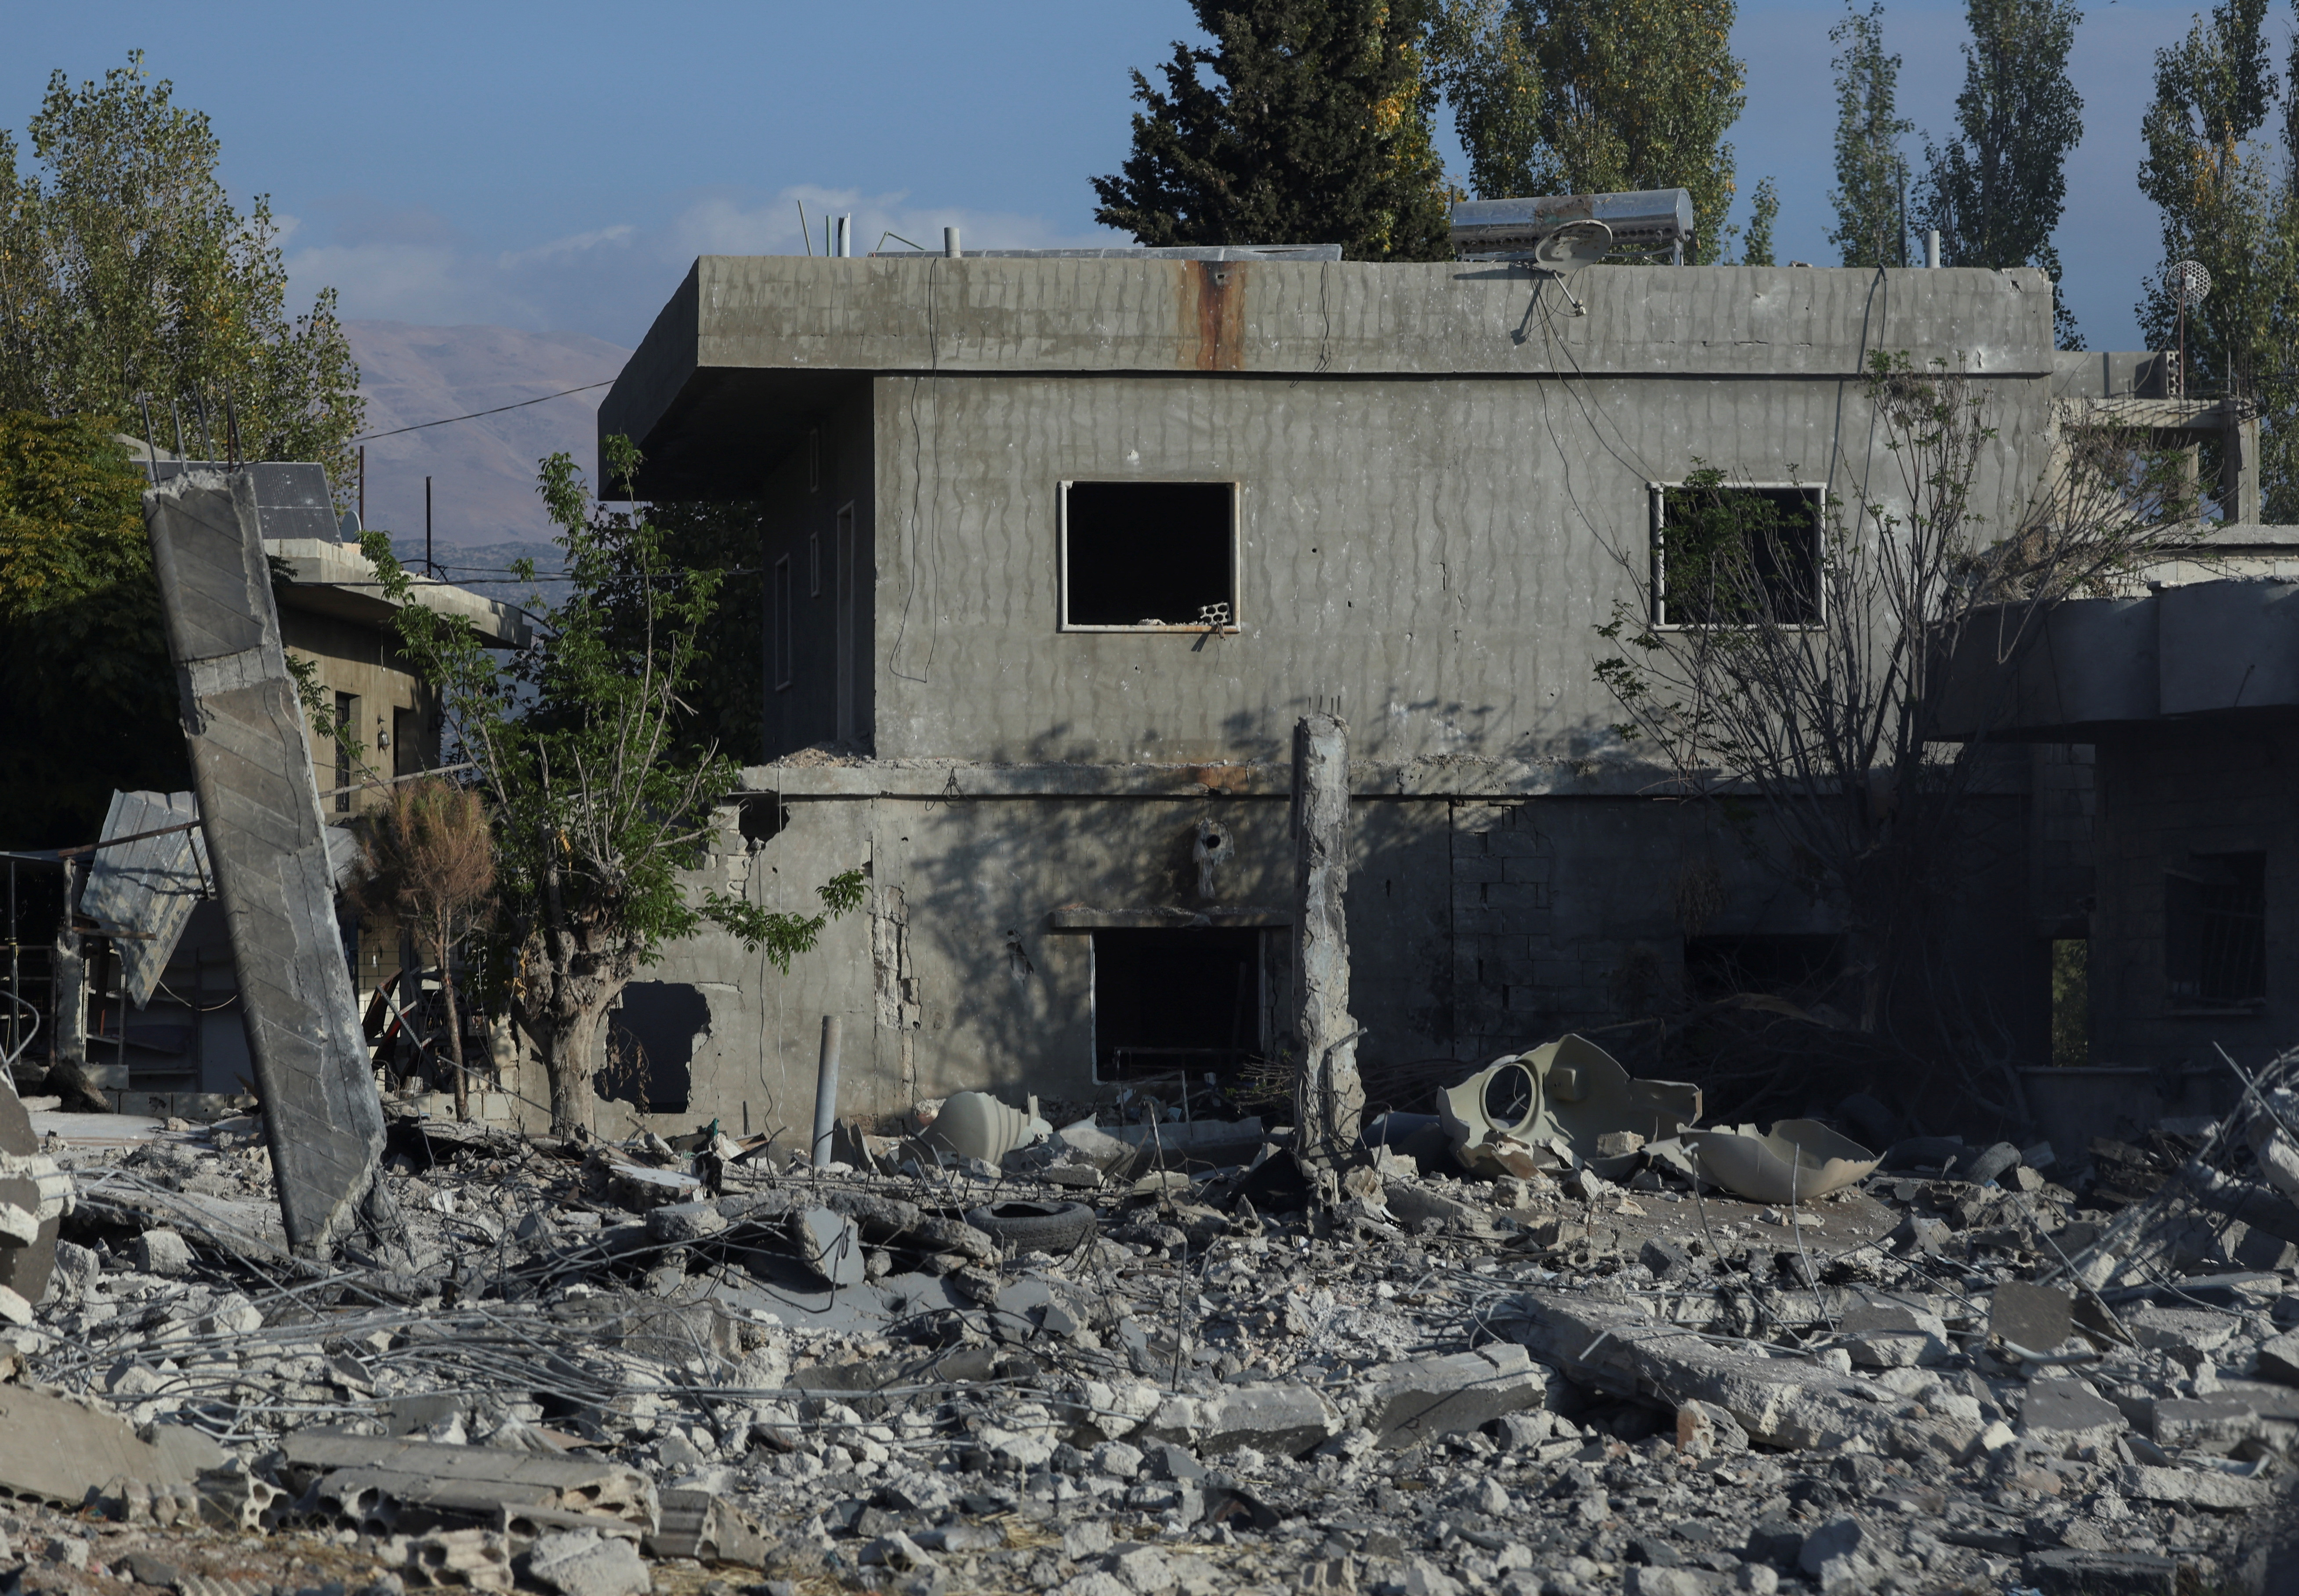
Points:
(2190, 285)
(1572, 247)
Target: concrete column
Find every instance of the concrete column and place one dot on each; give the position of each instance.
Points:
(1328, 1098)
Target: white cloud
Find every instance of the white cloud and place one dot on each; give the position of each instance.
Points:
(575, 243)
(405, 282)
(609, 281)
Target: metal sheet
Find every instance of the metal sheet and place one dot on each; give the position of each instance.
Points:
(147, 888)
(269, 847)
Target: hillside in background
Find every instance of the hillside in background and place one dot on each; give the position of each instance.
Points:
(483, 471)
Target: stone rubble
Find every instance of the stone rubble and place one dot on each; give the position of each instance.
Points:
(588, 1371)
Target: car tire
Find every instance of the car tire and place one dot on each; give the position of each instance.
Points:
(1035, 1227)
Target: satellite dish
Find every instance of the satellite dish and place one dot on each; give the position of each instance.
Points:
(1575, 245)
(2191, 282)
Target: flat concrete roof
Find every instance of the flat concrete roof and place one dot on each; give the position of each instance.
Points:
(751, 346)
(338, 579)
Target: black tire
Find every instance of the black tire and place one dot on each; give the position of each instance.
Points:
(1035, 1227)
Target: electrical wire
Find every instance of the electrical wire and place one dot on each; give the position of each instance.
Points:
(475, 415)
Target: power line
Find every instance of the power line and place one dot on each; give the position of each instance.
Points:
(475, 415)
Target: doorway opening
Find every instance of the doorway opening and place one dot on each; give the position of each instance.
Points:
(1168, 1003)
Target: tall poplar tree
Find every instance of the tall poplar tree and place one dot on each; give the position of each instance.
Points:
(1996, 190)
(1306, 122)
(1871, 174)
(126, 270)
(2229, 198)
(1625, 94)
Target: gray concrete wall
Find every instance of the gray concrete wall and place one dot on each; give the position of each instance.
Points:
(2166, 791)
(1477, 926)
(1436, 554)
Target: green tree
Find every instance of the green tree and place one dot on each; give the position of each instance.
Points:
(1871, 174)
(124, 270)
(88, 698)
(2229, 198)
(1484, 65)
(1619, 95)
(1764, 210)
(1996, 191)
(1314, 127)
(596, 809)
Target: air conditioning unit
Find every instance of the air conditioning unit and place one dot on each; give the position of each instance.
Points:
(1657, 220)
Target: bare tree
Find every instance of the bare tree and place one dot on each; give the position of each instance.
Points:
(427, 859)
(1795, 655)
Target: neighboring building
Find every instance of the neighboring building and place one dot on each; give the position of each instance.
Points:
(1061, 548)
(333, 616)
(2183, 702)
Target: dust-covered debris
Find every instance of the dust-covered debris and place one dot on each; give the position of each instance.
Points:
(577, 1369)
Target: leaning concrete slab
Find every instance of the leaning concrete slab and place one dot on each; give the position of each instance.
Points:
(252, 767)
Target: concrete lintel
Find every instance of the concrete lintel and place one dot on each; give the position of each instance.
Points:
(1163, 919)
(956, 781)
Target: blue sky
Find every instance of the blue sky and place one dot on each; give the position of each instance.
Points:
(555, 166)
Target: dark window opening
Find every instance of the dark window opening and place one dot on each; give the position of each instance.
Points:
(814, 564)
(1149, 554)
(785, 644)
(1173, 1003)
(2215, 931)
(650, 1046)
(406, 743)
(346, 728)
(1801, 967)
(1727, 555)
(2070, 1002)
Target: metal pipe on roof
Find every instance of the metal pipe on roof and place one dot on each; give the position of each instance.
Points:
(949, 242)
(1932, 248)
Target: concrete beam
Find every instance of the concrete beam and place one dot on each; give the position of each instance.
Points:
(252, 767)
(752, 344)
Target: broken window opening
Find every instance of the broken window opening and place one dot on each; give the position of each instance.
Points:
(1177, 1002)
(650, 1046)
(2070, 1001)
(2215, 931)
(1736, 554)
(1148, 557)
(760, 817)
(1795, 966)
(784, 645)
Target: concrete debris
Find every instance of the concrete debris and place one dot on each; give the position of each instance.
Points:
(1798, 1161)
(570, 1369)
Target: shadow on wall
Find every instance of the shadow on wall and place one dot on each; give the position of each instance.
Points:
(650, 1046)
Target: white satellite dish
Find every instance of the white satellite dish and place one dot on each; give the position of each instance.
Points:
(1574, 245)
(1569, 248)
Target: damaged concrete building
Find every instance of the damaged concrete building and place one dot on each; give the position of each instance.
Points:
(1059, 550)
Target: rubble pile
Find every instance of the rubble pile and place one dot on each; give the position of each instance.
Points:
(616, 1368)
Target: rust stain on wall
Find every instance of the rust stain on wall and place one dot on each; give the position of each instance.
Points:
(1213, 314)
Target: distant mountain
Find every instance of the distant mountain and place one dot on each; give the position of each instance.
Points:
(483, 470)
